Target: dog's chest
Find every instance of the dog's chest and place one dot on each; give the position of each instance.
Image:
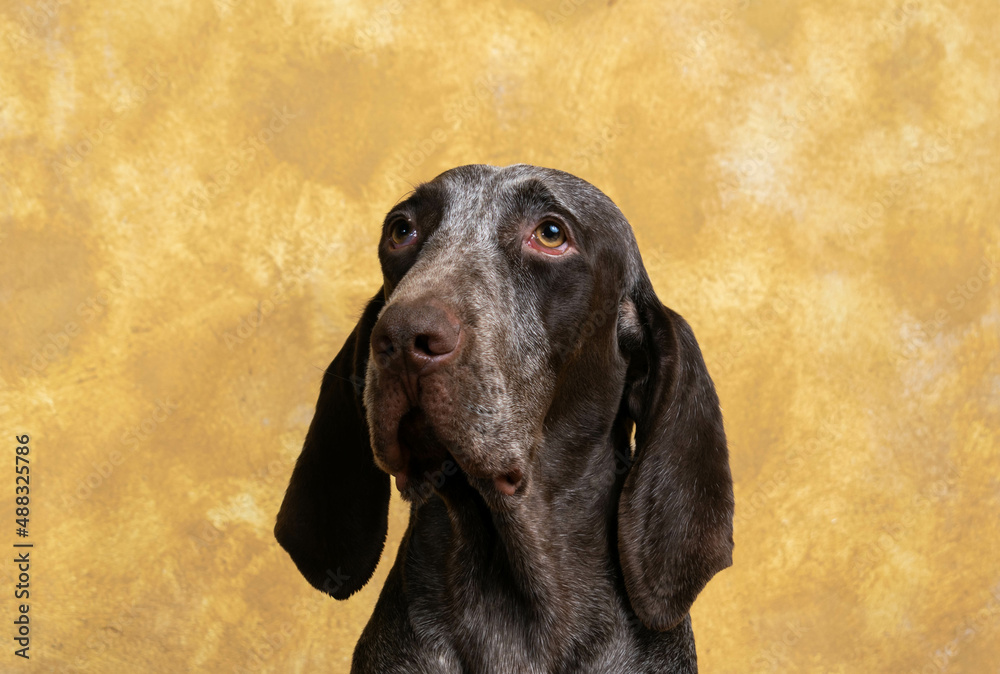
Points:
(464, 618)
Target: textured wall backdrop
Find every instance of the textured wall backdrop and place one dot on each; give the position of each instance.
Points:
(190, 198)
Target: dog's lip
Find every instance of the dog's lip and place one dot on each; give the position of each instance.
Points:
(505, 483)
(400, 468)
(412, 433)
(509, 482)
(402, 461)
(396, 457)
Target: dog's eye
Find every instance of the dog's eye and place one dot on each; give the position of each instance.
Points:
(550, 234)
(401, 232)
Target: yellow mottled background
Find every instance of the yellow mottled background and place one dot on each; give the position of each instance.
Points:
(190, 197)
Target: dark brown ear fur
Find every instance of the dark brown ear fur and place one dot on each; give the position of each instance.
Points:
(334, 517)
(676, 508)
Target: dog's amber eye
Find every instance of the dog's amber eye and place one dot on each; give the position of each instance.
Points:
(401, 232)
(550, 234)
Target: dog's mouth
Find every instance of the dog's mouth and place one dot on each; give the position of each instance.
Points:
(421, 453)
(423, 462)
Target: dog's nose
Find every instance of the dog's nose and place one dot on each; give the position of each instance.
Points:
(420, 336)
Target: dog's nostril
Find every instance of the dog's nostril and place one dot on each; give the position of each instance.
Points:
(422, 344)
(383, 346)
(416, 335)
(435, 343)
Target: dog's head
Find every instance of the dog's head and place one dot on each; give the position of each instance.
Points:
(516, 333)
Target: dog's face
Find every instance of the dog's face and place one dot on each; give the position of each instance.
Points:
(494, 278)
(516, 340)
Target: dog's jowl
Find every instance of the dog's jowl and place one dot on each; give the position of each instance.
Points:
(495, 379)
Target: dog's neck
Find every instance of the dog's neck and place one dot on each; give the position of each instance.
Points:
(550, 558)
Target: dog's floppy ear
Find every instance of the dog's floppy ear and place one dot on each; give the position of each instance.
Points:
(675, 514)
(334, 517)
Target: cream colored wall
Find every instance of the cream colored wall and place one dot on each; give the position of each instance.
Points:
(191, 195)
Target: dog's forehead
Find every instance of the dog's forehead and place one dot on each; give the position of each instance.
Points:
(475, 202)
(484, 193)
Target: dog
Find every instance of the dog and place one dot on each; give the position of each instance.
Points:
(551, 424)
